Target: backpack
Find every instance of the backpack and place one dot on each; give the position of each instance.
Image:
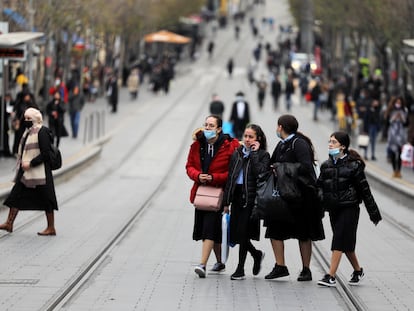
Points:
(55, 156)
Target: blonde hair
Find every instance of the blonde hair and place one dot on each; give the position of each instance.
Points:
(34, 114)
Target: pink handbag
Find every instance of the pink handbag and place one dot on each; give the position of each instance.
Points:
(208, 198)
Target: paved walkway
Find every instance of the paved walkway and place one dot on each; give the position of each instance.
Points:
(152, 268)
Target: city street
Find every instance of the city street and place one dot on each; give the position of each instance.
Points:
(124, 225)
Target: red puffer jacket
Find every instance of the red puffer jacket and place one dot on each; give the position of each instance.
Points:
(219, 166)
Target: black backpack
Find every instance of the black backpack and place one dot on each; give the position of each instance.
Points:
(54, 154)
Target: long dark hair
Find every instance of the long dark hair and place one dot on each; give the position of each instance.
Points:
(261, 137)
(344, 139)
(290, 125)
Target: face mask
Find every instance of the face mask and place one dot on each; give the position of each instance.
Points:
(27, 123)
(398, 106)
(209, 134)
(334, 152)
(278, 134)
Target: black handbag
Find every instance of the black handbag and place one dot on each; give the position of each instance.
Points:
(270, 205)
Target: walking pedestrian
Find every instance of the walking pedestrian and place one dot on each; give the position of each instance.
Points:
(76, 103)
(306, 226)
(208, 163)
(24, 100)
(343, 185)
(276, 89)
(230, 65)
(133, 84)
(240, 115)
(210, 49)
(237, 32)
(373, 124)
(240, 192)
(112, 92)
(397, 116)
(55, 111)
(60, 87)
(315, 94)
(261, 90)
(34, 187)
(289, 91)
(216, 106)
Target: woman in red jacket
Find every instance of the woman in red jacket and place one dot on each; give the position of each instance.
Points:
(208, 163)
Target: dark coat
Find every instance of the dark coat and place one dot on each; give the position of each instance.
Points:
(241, 224)
(42, 197)
(239, 124)
(56, 124)
(112, 90)
(343, 185)
(306, 212)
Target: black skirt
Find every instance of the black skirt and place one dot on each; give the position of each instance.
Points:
(242, 227)
(207, 226)
(344, 223)
(40, 198)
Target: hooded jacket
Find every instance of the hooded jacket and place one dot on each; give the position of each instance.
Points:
(219, 165)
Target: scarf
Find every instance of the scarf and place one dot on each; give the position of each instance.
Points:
(35, 176)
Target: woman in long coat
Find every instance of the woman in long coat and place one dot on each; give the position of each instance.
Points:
(306, 227)
(208, 163)
(34, 187)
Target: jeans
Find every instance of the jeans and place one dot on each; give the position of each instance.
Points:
(372, 133)
(74, 122)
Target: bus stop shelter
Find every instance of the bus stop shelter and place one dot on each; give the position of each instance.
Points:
(13, 46)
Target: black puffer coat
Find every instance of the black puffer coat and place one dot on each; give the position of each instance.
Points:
(343, 184)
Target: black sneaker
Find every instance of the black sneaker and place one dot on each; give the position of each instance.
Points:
(257, 265)
(305, 275)
(238, 275)
(356, 277)
(218, 267)
(277, 272)
(200, 270)
(328, 281)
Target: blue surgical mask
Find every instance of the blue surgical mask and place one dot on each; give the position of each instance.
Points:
(278, 134)
(209, 134)
(334, 152)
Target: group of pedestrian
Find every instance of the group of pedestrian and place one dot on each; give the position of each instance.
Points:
(216, 159)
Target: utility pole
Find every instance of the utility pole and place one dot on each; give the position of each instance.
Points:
(306, 26)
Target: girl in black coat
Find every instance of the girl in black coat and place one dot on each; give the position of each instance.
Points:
(343, 186)
(245, 164)
(306, 225)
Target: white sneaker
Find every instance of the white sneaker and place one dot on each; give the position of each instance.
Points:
(200, 270)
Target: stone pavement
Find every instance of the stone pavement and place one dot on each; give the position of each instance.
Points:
(153, 268)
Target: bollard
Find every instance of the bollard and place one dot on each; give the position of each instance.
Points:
(91, 128)
(85, 132)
